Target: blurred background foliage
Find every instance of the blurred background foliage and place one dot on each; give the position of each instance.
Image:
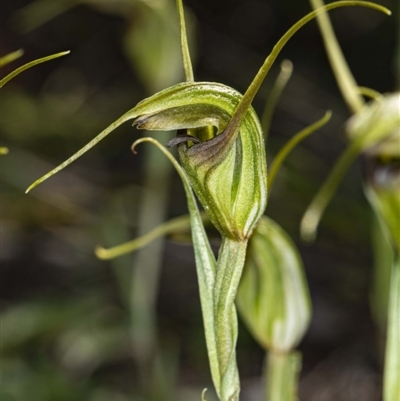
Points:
(76, 328)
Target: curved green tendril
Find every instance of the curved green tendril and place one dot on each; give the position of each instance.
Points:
(29, 65)
(291, 144)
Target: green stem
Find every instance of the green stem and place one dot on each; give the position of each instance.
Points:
(229, 270)
(344, 77)
(282, 373)
(391, 390)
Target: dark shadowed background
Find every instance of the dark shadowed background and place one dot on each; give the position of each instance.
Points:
(75, 328)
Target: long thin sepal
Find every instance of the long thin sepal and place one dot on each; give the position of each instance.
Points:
(10, 57)
(26, 66)
(291, 144)
(205, 264)
(172, 226)
(127, 116)
(262, 73)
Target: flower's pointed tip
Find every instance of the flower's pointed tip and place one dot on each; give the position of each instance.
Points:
(31, 187)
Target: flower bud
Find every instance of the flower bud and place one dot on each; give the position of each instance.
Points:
(375, 122)
(226, 169)
(273, 295)
(379, 124)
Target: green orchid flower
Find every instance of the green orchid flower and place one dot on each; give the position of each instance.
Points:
(221, 148)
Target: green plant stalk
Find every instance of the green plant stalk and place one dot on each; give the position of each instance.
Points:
(383, 254)
(344, 77)
(282, 371)
(391, 386)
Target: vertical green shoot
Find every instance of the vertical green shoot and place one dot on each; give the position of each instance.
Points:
(391, 390)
